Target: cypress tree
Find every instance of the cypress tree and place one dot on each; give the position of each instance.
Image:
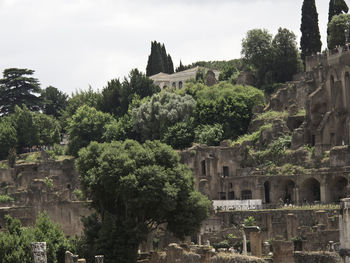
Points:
(310, 42)
(158, 60)
(337, 7)
(170, 65)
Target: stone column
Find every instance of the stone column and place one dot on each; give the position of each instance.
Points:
(39, 252)
(99, 259)
(323, 193)
(283, 251)
(344, 230)
(296, 195)
(291, 226)
(256, 244)
(244, 243)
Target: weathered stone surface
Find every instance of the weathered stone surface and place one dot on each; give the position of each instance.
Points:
(99, 259)
(39, 252)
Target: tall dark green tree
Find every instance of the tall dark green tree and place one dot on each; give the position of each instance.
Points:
(18, 87)
(310, 42)
(158, 60)
(337, 7)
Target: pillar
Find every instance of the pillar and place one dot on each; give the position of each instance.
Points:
(39, 252)
(344, 230)
(296, 195)
(256, 244)
(244, 244)
(323, 193)
(99, 259)
(291, 226)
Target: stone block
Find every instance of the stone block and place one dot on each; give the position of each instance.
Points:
(39, 252)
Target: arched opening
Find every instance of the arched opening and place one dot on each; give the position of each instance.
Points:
(180, 84)
(310, 191)
(337, 188)
(288, 189)
(347, 87)
(267, 192)
(173, 85)
(246, 195)
(204, 170)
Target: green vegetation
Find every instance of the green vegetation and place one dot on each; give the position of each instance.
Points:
(6, 199)
(133, 188)
(252, 137)
(250, 221)
(310, 42)
(336, 7)
(48, 182)
(336, 29)
(269, 116)
(159, 60)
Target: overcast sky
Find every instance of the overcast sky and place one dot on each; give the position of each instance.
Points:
(72, 44)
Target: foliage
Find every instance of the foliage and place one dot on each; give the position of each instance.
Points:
(228, 105)
(269, 116)
(56, 151)
(250, 221)
(221, 244)
(79, 194)
(54, 101)
(48, 182)
(163, 110)
(180, 135)
(251, 137)
(159, 60)
(274, 60)
(310, 42)
(6, 198)
(210, 135)
(336, 29)
(15, 241)
(8, 137)
(48, 129)
(134, 188)
(336, 7)
(18, 88)
(12, 155)
(86, 125)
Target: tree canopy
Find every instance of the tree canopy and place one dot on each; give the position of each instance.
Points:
(337, 7)
(134, 188)
(336, 29)
(54, 101)
(18, 88)
(310, 42)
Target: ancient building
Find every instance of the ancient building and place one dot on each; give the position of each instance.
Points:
(177, 80)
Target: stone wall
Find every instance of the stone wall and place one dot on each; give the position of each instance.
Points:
(317, 257)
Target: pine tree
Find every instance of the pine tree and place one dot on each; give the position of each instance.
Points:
(170, 65)
(337, 7)
(17, 87)
(310, 42)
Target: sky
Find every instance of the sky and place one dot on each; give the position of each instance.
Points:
(74, 44)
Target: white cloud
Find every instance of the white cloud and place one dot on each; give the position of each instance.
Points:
(73, 43)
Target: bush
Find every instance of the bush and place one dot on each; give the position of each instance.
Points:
(250, 221)
(210, 135)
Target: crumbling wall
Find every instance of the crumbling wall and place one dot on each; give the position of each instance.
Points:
(234, 258)
(317, 257)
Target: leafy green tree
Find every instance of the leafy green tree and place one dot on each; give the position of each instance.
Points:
(54, 101)
(210, 135)
(8, 137)
(286, 57)
(18, 88)
(113, 100)
(228, 105)
(27, 131)
(180, 135)
(86, 125)
(310, 42)
(48, 129)
(257, 51)
(134, 188)
(336, 29)
(336, 7)
(165, 109)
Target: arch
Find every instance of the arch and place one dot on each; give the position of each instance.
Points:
(173, 84)
(310, 190)
(288, 191)
(338, 188)
(267, 192)
(180, 84)
(246, 194)
(203, 166)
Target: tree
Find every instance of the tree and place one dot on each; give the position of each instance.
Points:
(228, 105)
(336, 29)
(165, 109)
(8, 137)
(180, 67)
(210, 135)
(113, 100)
(54, 101)
(134, 188)
(256, 50)
(336, 7)
(180, 135)
(286, 58)
(17, 88)
(310, 42)
(86, 125)
(48, 129)
(159, 60)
